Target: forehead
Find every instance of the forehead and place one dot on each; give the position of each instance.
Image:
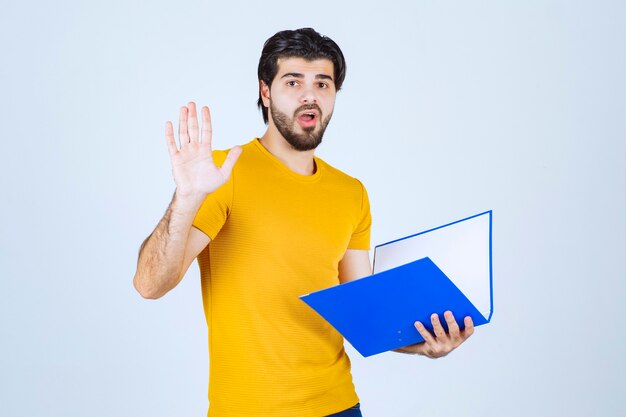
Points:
(303, 66)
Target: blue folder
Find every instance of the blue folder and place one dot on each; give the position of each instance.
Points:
(377, 313)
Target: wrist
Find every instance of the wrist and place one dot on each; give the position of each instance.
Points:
(405, 350)
(188, 201)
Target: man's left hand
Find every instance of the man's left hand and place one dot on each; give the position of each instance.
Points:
(441, 343)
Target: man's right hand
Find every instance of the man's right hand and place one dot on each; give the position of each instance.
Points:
(169, 250)
(195, 174)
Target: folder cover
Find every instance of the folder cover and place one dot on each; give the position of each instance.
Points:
(446, 268)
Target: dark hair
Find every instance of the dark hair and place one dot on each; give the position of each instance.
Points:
(302, 43)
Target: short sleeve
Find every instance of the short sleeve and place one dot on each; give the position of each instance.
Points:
(215, 209)
(361, 236)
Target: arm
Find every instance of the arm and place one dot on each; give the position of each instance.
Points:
(166, 254)
(356, 264)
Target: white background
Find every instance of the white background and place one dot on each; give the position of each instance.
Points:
(449, 108)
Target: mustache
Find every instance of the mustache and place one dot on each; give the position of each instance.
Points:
(308, 107)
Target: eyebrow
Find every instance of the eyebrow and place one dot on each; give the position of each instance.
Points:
(299, 75)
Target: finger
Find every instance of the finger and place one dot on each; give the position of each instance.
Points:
(469, 327)
(207, 130)
(231, 158)
(437, 327)
(169, 137)
(193, 122)
(428, 338)
(453, 327)
(183, 135)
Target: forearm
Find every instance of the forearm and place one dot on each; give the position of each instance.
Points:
(161, 255)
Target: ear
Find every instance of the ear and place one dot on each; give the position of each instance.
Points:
(265, 93)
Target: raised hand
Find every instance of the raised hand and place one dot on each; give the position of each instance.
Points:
(194, 172)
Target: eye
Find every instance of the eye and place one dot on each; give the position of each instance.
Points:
(292, 83)
(322, 85)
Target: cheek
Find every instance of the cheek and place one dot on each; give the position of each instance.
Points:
(328, 106)
(281, 103)
(328, 97)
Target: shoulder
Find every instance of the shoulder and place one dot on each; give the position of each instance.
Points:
(219, 156)
(340, 177)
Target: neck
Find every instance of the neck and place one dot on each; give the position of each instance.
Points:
(300, 162)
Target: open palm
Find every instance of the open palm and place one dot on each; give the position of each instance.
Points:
(194, 171)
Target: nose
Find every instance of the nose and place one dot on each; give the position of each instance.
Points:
(309, 95)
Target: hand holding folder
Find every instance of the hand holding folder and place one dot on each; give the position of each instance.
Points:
(442, 342)
(430, 272)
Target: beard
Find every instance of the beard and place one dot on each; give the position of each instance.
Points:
(310, 138)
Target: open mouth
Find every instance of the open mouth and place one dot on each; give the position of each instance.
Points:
(307, 119)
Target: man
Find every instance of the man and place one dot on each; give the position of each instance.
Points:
(268, 222)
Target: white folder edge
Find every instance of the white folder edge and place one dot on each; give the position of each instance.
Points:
(461, 249)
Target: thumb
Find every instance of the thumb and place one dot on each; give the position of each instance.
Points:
(231, 158)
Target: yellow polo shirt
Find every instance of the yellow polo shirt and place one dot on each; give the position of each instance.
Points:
(276, 235)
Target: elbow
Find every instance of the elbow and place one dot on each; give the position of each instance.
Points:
(146, 291)
(149, 295)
